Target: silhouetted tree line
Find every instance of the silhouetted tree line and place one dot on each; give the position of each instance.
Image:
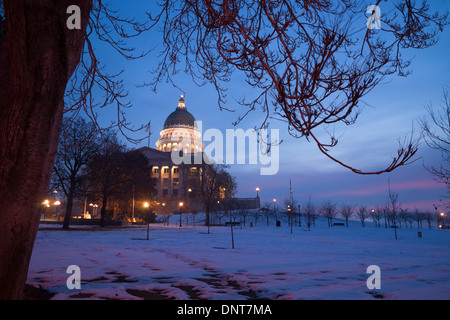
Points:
(93, 166)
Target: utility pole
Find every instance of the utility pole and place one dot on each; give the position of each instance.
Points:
(149, 132)
(132, 212)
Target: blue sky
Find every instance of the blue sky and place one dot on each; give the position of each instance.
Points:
(394, 108)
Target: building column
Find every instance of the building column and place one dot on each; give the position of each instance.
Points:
(180, 180)
(169, 187)
(160, 182)
(188, 181)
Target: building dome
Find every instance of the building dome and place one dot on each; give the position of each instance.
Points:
(180, 117)
(180, 131)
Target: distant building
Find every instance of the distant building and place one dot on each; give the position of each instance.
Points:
(180, 133)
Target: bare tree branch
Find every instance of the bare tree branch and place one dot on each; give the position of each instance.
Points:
(311, 60)
(92, 88)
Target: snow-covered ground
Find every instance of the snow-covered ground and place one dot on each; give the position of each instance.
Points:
(267, 262)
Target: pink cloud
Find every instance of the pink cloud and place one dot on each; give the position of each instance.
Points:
(379, 189)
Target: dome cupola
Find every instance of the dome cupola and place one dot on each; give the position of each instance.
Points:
(180, 118)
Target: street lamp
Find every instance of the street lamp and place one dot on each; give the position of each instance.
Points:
(257, 192)
(164, 212)
(46, 204)
(190, 206)
(146, 206)
(56, 204)
(289, 215)
(180, 205)
(94, 209)
(442, 214)
(274, 202)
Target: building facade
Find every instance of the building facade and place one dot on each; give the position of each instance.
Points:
(180, 135)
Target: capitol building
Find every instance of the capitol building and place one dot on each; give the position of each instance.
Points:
(179, 133)
(176, 181)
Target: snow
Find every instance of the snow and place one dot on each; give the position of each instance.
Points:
(267, 262)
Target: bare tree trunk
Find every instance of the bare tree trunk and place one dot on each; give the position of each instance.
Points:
(103, 211)
(69, 206)
(37, 57)
(207, 216)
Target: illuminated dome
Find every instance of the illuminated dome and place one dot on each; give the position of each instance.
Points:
(180, 131)
(180, 117)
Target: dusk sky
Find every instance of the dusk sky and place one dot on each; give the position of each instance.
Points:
(392, 110)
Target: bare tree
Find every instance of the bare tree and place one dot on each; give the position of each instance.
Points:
(419, 217)
(393, 209)
(409, 218)
(41, 78)
(112, 174)
(290, 210)
(311, 212)
(428, 216)
(329, 210)
(214, 178)
(404, 215)
(269, 210)
(363, 213)
(256, 214)
(78, 144)
(309, 59)
(38, 54)
(437, 137)
(346, 210)
(220, 214)
(376, 215)
(243, 213)
(290, 51)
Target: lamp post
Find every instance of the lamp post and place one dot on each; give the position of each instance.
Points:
(94, 209)
(190, 206)
(46, 204)
(146, 206)
(56, 204)
(442, 215)
(180, 205)
(257, 192)
(289, 210)
(134, 195)
(164, 212)
(274, 202)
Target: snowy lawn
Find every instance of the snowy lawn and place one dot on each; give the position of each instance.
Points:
(267, 262)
